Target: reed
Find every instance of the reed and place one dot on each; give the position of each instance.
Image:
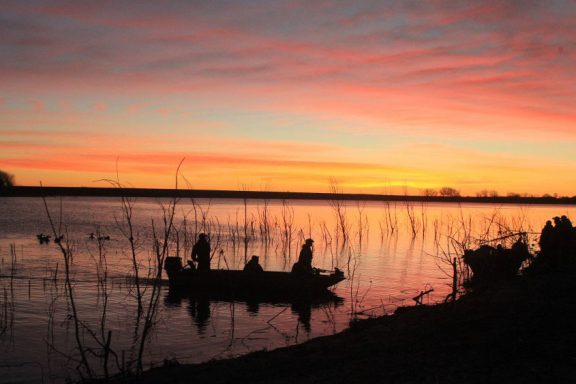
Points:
(412, 220)
(287, 229)
(7, 297)
(450, 249)
(328, 311)
(232, 232)
(339, 208)
(390, 216)
(423, 219)
(161, 246)
(454, 235)
(363, 223)
(246, 237)
(92, 345)
(266, 225)
(126, 227)
(84, 367)
(52, 307)
(354, 280)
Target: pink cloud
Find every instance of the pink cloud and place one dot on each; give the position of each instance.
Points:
(494, 70)
(165, 163)
(38, 106)
(100, 107)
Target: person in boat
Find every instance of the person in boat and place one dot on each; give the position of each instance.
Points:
(304, 263)
(201, 252)
(253, 265)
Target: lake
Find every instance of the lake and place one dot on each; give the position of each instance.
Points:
(389, 251)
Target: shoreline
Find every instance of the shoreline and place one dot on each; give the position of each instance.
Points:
(29, 191)
(518, 331)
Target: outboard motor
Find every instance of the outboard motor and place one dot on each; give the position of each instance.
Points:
(172, 265)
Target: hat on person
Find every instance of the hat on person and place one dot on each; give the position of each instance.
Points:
(309, 241)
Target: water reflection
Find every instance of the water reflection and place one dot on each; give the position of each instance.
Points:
(198, 305)
(199, 310)
(394, 251)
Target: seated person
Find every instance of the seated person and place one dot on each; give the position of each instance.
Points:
(304, 263)
(253, 265)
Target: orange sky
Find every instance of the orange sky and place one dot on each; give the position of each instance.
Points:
(383, 98)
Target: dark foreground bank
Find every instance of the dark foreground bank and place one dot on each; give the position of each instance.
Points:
(521, 331)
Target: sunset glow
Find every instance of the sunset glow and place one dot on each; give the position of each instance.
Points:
(384, 97)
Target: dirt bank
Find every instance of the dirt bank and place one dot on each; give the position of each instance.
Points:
(522, 331)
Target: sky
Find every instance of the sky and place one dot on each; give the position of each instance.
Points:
(368, 96)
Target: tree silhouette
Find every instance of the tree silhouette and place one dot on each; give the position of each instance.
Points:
(448, 192)
(430, 192)
(487, 193)
(6, 180)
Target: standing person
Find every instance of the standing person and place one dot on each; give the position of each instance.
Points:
(201, 252)
(546, 241)
(304, 264)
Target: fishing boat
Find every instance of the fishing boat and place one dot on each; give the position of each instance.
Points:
(488, 263)
(269, 284)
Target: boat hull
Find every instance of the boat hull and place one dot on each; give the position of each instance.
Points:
(281, 285)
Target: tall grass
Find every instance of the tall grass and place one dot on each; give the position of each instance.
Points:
(341, 238)
(339, 208)
(7, 298)
(84, 367)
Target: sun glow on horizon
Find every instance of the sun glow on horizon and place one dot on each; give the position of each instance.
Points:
(285, 96)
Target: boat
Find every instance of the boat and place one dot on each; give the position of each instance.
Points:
(266, 285)
(488, 263)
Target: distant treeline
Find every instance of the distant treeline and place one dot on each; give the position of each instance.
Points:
(21, 191)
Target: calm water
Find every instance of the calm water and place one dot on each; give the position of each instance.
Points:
(391, 253)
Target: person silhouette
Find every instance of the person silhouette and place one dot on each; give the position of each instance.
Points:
(201, 252)
(253, 265)
(304, 263)
(546, 241)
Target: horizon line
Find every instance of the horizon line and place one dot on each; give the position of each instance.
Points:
(38, 191)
